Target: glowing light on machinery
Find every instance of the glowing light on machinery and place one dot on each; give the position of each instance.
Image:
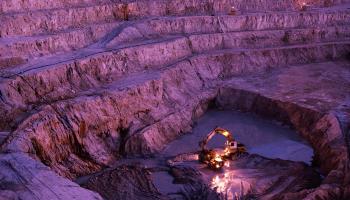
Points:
(233, 11)
(304, 6)
(216, 158)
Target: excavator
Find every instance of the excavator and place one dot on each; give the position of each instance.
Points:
(216, 158)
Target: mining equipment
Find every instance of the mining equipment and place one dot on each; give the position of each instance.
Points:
(216, 158)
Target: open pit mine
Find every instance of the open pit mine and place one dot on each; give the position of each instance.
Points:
(174, 99)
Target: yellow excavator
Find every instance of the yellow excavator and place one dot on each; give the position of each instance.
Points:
(215, 158)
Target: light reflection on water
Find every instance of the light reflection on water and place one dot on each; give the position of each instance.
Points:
(222, 184)
(229, 183)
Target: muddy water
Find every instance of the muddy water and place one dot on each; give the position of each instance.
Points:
(263, 137)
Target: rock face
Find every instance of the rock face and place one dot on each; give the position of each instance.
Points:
(125, 182)
(23, 177)
(84, 84)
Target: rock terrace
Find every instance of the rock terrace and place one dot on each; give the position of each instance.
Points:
(91, 90)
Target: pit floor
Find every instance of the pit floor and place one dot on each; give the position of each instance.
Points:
(264, 137)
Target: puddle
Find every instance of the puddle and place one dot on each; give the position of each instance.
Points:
(164, 183)
(263, 137)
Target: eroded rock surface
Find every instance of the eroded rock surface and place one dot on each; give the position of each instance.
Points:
(84, 84)
(125, 182)
(23, 177)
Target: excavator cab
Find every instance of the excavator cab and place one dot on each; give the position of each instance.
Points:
(215, 158)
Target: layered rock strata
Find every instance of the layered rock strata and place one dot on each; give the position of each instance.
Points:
(86, 83)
